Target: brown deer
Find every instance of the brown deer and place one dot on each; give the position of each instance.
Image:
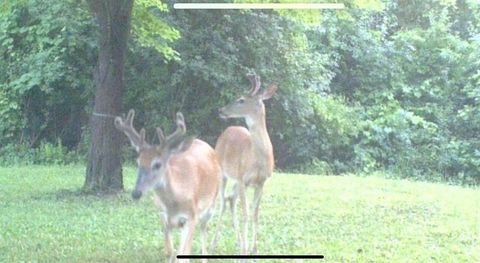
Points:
(184, 174)
(246, 156)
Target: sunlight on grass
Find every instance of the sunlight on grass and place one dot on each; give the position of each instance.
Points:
(45, 218)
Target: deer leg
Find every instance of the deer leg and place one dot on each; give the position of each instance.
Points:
(204, 227)
(232, 198)
(167, 232)
(256, 206)
(233, 206)
(188, 230)
(244, 218)
(222, 210)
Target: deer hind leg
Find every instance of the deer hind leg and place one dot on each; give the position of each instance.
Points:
(232, 198)
(233, 206)
(244, 219)
(256, 206)
(222, 210)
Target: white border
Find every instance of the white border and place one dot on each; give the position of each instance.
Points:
(258, 6)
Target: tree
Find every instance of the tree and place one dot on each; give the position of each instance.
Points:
(104, 172)
(114, 18)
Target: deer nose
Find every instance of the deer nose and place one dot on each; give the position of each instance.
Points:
(136, 194)
(221, 113)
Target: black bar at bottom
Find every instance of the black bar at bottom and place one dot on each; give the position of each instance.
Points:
(250, 256)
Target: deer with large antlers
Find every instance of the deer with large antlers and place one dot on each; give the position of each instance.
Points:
(246, 156)
(185, 175)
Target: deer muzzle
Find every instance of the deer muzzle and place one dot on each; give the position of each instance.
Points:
(136, 194)
(222, 113)
(140, 184)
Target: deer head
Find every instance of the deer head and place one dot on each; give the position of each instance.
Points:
(153, 160)
(251, 105)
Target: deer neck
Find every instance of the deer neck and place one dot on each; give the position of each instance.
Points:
(163, 186)
(262, 146)
(166, 192)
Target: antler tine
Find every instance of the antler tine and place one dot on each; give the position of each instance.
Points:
(161, 136)
(130, 116)
(181, 122)
(181, 128)
(255, 83)
(251, 78)
(126, 126)
(142, 136)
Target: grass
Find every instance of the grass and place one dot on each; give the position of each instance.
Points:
(44, 218)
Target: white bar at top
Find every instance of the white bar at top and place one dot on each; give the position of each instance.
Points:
(257, 6)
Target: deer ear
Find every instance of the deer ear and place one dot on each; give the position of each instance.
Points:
(269, 91)
(182, 145)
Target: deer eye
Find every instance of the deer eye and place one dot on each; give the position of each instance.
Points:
(157, 166)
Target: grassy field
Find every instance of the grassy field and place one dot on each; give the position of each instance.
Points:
(44, 218)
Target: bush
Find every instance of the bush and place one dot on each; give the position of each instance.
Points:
(337, 125)
(16, 154)
(46, 153)
(313, 167)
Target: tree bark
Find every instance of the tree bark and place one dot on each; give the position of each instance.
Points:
(104, 170)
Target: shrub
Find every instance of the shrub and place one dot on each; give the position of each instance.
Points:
(337, 125)
(45, 153)
(314, 167)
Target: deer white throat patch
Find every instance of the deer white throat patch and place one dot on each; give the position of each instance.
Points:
(249, 121)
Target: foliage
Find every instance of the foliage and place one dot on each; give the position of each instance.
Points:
(46, 67)
(380, 85)
(150, 31)
(46, 153)
(410, 79)
(337, 125)
(216, 55)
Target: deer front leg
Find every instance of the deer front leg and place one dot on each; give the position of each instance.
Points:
(167, 231)
(188, 230)
(256, 206)
(222, 210)
(168, 246)
(204, 226)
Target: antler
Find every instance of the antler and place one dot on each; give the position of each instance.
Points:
(175, 137)
(255, 82)
(181, 129)
(126, 126)
(161, 136)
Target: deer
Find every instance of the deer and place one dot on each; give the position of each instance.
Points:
(185, 176)
(246, 157)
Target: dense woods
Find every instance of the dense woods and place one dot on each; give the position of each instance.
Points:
(381, 85)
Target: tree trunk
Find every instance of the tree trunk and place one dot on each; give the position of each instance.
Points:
(104, 170)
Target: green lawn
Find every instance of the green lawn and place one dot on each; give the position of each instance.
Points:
(44, 218)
